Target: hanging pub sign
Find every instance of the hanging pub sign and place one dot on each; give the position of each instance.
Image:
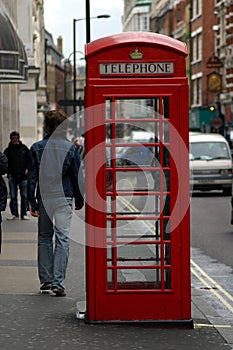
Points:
(214, 82)
(214, 62)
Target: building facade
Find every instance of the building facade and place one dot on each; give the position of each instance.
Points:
(206, 27)
(224, 51)
(161, 19)
(136, 15)
(54, 71)
(20, 101)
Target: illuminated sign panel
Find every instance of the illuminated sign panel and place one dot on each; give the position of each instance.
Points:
(136, 68)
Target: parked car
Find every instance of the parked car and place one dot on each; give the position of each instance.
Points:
(210, 163)
(134, 156)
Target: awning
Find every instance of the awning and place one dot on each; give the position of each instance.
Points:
(13, 58)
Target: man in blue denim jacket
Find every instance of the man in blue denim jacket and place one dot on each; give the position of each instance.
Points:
(55, 178)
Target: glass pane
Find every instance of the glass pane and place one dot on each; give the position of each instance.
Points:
(136, 108)
(161, 178)
(166, 157)
(143, 132)
(109, 135)
(167, 205)
(208, 150)
(108, 109)
(110, 279)
(135, 205)
(145, 180)
(131, 230)
(165, 138)
(109, 181)
(136, 180)
(9, 61)
(139, 279)
(166, 178)
(167, 279)
(110, 253)
(165, 107)
(154, 104)
(139, 254)
(167, 254)
(109, 157)
(110, 231)
(167, 230)
(135, 156)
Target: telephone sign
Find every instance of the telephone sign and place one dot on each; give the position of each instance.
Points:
(137, 68)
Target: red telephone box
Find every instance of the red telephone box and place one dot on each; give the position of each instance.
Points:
(137, 175)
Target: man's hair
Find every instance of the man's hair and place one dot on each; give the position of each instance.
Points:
(14, 133)
(53, 119)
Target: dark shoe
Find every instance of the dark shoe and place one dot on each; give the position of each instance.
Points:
(45, 287)
(58, 291)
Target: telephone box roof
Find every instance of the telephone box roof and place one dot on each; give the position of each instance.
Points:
(138, 38)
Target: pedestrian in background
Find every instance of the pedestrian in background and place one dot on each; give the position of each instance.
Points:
(18, 157)
(55, 178)
(3, 190)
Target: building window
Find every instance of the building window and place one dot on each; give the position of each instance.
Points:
(222, 36)
(145, 22)
(197, 47)
(197, 8)
(197, 91)
(138, 22)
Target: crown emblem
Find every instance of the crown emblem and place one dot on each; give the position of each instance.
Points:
(136, 55)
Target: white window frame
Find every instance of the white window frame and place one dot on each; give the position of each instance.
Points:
(197, 89)
(197, 8)
(197, 45)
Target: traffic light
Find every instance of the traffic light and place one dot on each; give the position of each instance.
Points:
(212, 108)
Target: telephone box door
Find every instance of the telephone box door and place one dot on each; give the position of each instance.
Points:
(138, 208)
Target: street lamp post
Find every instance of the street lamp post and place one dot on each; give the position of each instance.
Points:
(88, 24)
(67, 62)
(87, 19)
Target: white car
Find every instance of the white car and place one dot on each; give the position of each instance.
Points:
(210, 163)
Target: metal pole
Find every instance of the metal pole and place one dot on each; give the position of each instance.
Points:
(46, 70)
(87, 19)
(45, 55)
(190, 55)
(65, 89)
(88, 26)
(74, 73)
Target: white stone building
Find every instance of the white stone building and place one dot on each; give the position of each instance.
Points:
(22, 101)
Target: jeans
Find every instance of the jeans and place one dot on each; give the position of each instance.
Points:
(55, 217)
(13, 186)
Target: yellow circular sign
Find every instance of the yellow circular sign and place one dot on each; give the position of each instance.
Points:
(214, 82)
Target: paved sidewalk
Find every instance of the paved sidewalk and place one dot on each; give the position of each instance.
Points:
(30, 320)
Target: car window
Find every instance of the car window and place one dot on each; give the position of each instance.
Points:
(208, 150)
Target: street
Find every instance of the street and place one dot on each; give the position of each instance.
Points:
(32, 320)
(211, 230)
(211, 253)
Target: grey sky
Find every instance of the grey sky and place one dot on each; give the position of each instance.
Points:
(59, 20)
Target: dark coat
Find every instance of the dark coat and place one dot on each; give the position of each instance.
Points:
(3, 188)
(18, 159)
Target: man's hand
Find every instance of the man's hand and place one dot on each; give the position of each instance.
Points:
(78, 206)
(36, 214)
